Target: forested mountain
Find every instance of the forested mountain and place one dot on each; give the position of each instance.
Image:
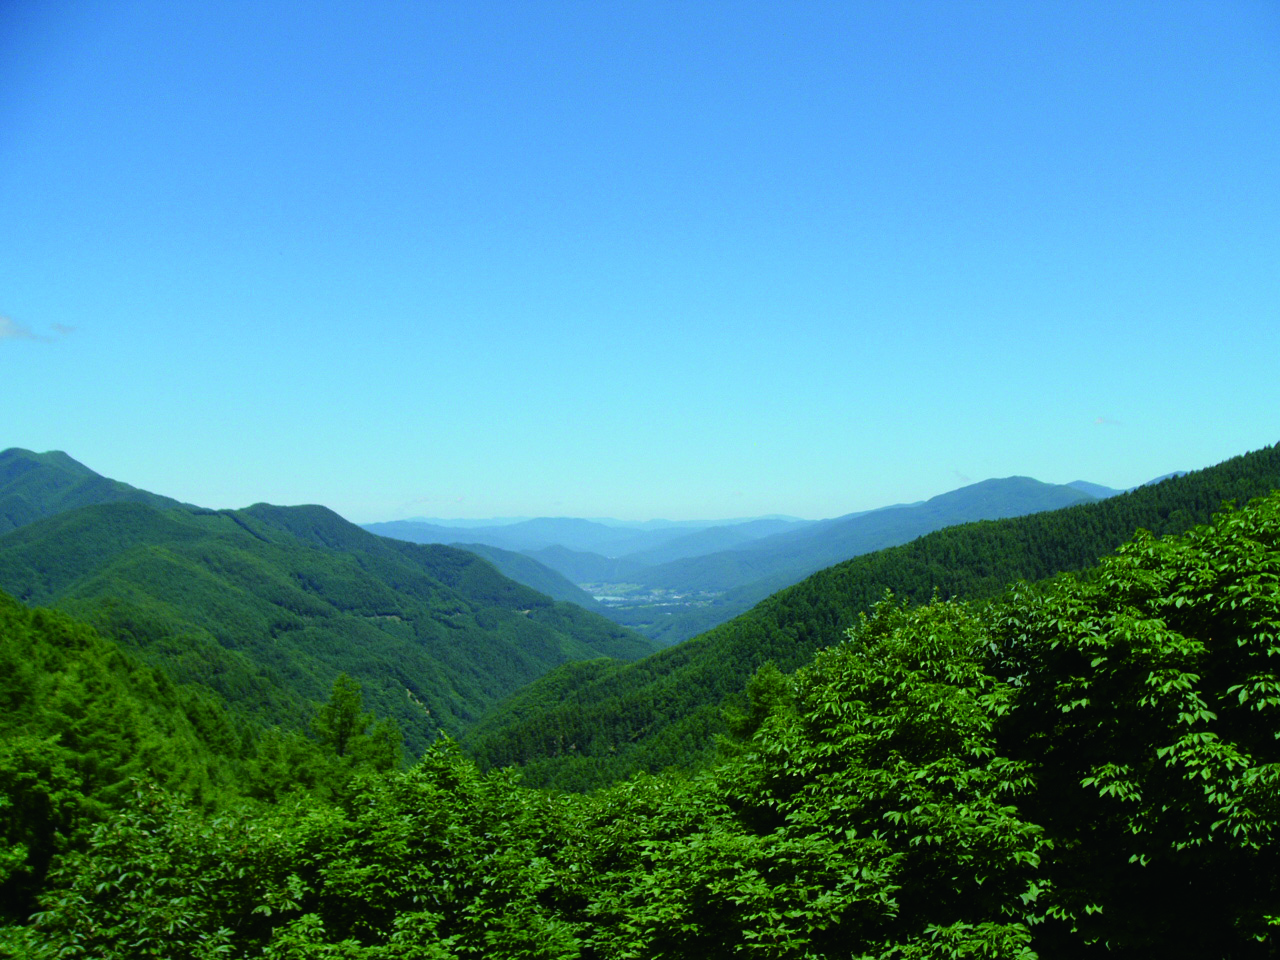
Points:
(267, 605)
(37, 485)
(665, 709)
(523, 568)
(1085, 768)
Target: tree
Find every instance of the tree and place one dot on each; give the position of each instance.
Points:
(342, 718)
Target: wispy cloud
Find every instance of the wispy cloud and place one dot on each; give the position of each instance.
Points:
(10, 329)
(1108, 422)
(963, 478)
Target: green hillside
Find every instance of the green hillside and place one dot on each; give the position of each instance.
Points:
(665, 710)
(267, 605)
(38, 485)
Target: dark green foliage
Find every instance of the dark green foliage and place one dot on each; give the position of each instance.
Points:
(342, 718)
(664, 710)
(1149, 700)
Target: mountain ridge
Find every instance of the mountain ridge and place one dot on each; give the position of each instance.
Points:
(36, 485)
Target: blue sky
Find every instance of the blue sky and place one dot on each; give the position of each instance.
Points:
(637, 259)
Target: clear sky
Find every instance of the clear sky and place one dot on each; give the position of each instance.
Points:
(470, 259)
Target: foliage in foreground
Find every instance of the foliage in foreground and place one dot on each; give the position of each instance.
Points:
(1091, 768)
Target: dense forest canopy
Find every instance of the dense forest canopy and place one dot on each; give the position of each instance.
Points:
(1085, 767)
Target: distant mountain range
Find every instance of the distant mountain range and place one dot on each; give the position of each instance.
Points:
(266, 605)
(610, 540)
(672, 583)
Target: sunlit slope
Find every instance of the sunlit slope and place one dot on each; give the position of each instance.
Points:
(664, 709)
(268, 604)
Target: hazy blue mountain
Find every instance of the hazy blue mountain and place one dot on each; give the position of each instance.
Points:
(530, 535)
(466, 524)
(686, 580)
(714, 540)
(38, 485)
(581, 566)
(688, 525)
(789, 556)
(740, 578)
(1095, 489)
(419, 531)
(655, 524)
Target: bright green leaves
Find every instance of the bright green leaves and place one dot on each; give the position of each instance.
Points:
(889, 762)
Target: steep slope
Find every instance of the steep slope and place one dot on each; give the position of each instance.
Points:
(523, 568)
(267, 605)
(38, 485)
(664, 709)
